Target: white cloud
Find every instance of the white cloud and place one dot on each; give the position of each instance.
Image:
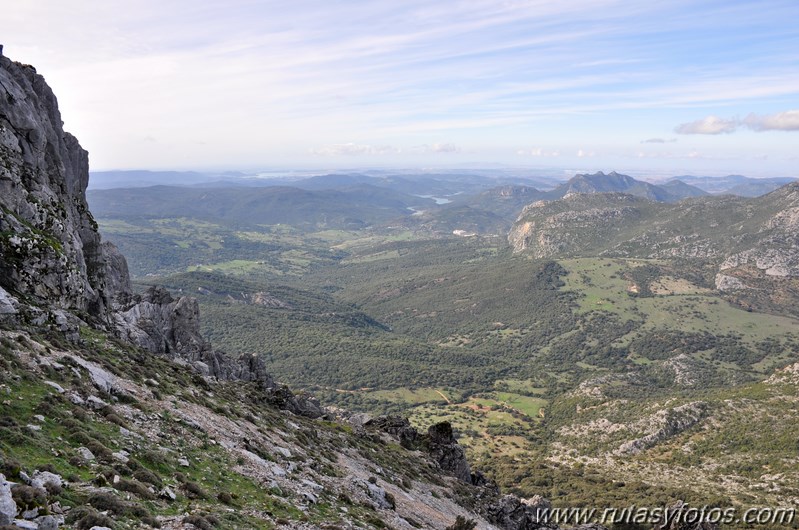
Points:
(708, 125)
(782, 121)
(352, 149)
(658, 141)
(436, 148)
(581, 153)
(538, 152)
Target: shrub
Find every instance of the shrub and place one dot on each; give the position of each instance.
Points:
(135, 487)
(225, 498)
(27, 497)
(101, 452)
(108, 502)
(195, 490)
(145, 475)
(198, 521)
(10, 467)
(461, 523)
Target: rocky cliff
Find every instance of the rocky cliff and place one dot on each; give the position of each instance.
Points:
(50, 251)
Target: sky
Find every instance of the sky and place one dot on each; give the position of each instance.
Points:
(679, 87)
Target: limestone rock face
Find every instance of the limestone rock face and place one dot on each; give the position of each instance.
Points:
(50, 249)
(161, 324)
(445, 450)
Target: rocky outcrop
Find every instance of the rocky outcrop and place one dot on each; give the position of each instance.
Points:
(50, 251)
(664, 425)
(159, 323)
(396, 426)
(445, 450)
(512, 513)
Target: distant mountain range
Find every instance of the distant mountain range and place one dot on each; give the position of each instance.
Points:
(447, 184)
(442, 203)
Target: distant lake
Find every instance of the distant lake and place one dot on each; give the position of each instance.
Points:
(439, 200)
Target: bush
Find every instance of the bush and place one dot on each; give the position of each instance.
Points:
(27, 497)
(108, 502)
(135, 487)
(199, 521)
(195, 490)
(145, 475)
(461, 523)
(101, 452)
(10, 467)
(225, 498)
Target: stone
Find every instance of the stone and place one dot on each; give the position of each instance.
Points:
(41, 479)
(183, 462)
(26, 525)
(377, 495)
(76, 399)
(58, 388)
(511, 513)
(95, 403)
(311, 484)
(310, 497)
(8, 508)
(8, 304)
(101, 378)
(168, 494)
(396, 426)
(30, 515)
(48, 522)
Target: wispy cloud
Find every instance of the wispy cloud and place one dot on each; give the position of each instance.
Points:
(658, 141)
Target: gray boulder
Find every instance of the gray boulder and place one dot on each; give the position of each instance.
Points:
(8, 508)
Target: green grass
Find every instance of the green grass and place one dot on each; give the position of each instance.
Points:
(412, 396)
(528, 406)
